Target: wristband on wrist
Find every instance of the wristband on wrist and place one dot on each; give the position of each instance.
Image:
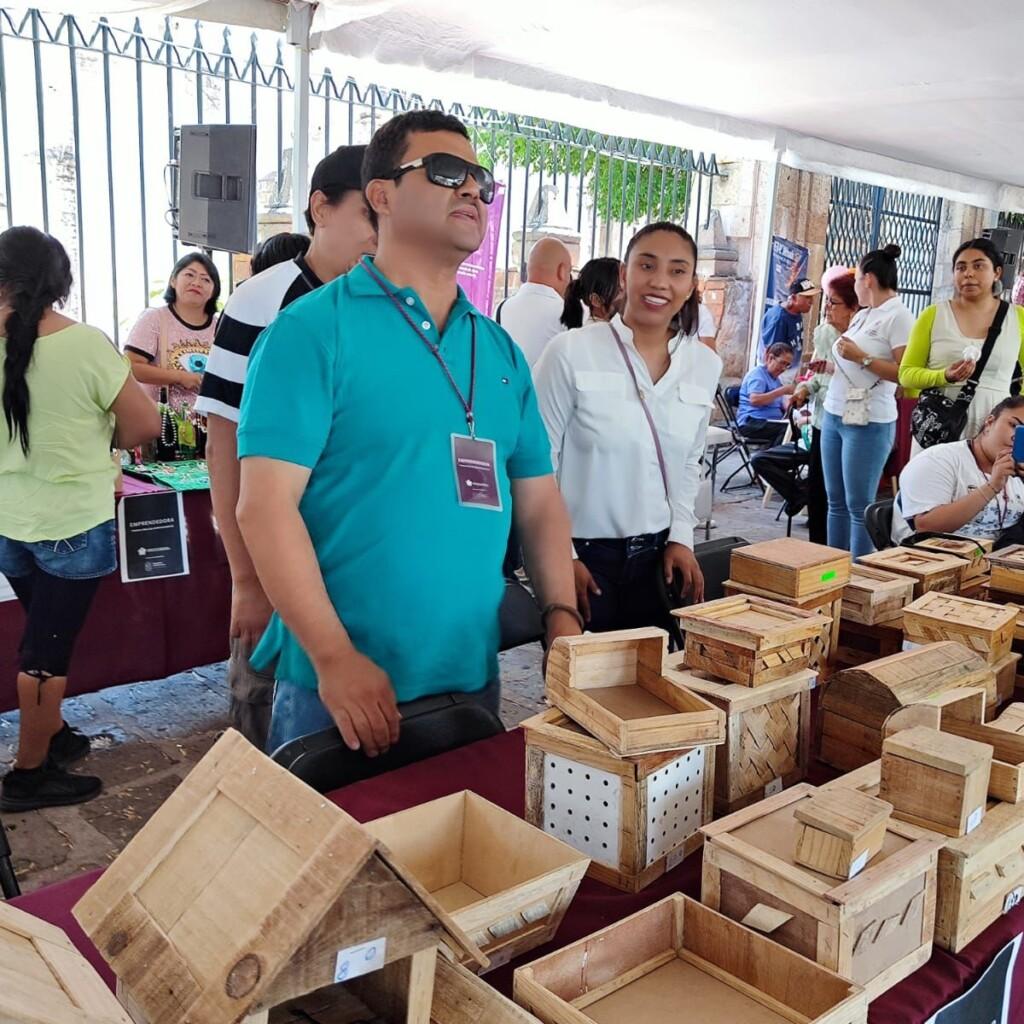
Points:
(550, 609)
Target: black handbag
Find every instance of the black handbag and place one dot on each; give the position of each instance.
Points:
(939, 419)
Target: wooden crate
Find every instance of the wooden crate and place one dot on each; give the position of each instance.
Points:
(247, 890)
(1008, 600)
(790, 567)
(930, 570)
(858, 701)
(839, 833)
(828, 603)
(768, 733)
(860, 643)
(982, 627)
(679, 961)
(873, 595)
(1011, 720)
(1006, 680)
(749, 640)
(503, 881)
(635, 817)
(974, 552)
(612, 685)
(936, 780)
(875, 929)
(45, 980)
(1007, 566)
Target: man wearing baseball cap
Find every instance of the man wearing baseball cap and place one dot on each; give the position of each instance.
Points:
(339, 223)
(784, 321)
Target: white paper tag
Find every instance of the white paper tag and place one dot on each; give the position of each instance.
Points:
(859, 864)
(1013, 898)
(909, 645)
(675, 857)
(814, 683)
(975, 819)
(773, 787)
(359, 960)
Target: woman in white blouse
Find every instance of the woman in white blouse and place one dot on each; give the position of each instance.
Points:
(626, 404)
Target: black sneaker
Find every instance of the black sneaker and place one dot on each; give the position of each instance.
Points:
(68, 746)
(27, 789)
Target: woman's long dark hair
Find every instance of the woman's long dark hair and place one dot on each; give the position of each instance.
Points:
(35, 273)
(687, 319)
(598, 277)
(170, 295)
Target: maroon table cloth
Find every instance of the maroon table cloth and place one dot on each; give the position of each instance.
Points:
(494, 768)
(145, 630)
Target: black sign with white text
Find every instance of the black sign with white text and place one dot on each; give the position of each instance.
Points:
(152, 536)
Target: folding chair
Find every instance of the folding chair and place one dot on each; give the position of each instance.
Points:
(727, 401)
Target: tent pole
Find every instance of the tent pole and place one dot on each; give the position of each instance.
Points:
(300, 19)
(761, 291)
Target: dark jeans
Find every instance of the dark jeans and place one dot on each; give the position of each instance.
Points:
(769, 432)
(817, 499)
(626, 571)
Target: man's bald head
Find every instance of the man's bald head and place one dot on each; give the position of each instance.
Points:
(550, 263)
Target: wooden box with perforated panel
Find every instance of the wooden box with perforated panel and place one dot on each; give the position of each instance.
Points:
(973, 551)
(873, 596)
(767, 733)
(930, 570)
(678, 961)
(874, 929)
(749, 640)
(506, 883)
(1007, 569)
(612, 685)
(247, 891)
(987, 629)
(790, 567)
(634, 817)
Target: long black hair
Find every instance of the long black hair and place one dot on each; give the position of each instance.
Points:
(687, 319)
(882, 263)
(35, 273)
(598, 277)
(170, 295)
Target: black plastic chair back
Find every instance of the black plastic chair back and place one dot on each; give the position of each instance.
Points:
(878, 523)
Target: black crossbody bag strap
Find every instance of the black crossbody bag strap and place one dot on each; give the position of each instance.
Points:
(966, 395)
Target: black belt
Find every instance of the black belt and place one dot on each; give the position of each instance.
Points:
(628, 546)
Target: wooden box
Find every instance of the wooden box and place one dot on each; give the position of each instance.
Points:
(982, 627)
(1006, 680)
(612, 685)
(503, 881)
(679, 961)
(936, 780)
(974, 552)
(1011, 720)
(767, 734)
(247, 890)
(749, 640)
(858, 701)
(829, 603)
(45, 980)
(873, 595)
(874, 929)
(839, 833)
(790, 567)
(930, 570)
(635, 817)
(1007, 567)
(860, 643)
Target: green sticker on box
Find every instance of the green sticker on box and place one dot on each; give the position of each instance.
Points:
(826, 576)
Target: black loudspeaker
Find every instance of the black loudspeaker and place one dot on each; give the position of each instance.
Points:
(216, 193)
(1009, 242)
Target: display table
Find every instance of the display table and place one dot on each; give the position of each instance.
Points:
(146, 630)
(495, 769)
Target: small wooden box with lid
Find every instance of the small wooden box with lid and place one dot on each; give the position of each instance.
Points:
(872, 596)
(840, 832)
(930, 570)
(1007, 569)
(984, 628)
(975, 575)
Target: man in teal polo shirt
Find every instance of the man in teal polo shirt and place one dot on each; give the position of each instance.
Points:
(388, 435)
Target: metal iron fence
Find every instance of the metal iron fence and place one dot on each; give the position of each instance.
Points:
(87, 121)
(865, 217)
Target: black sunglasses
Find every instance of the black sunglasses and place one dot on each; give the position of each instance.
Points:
(449, 171)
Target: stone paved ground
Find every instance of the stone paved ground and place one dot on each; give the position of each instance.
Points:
(147, 736)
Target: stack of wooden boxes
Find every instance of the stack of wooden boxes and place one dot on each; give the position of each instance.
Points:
(621, 768)
(975, 576)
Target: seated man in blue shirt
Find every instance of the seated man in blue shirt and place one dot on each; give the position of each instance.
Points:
(764, 398)
(784, 321)
(388, 436)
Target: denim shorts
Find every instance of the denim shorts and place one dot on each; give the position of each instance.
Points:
(85, 556)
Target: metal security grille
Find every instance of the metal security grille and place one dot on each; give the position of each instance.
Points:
(87, 119)
(865, 217)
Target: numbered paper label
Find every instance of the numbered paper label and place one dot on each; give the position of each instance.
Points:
(859, 864)
(975, 819)
(1013, 899)
(358, 960)
(773, 787)
(676, 857)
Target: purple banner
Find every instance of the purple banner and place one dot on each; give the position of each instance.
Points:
(476, 275)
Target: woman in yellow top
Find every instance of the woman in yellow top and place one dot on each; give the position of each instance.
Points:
(67, 394)
(947, 338)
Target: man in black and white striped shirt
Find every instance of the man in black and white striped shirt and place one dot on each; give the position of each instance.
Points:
(341, 230)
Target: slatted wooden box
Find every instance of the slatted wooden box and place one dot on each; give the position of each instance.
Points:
(768, 733)
(504, 882)
(858, 701)
(974, 552)
(45, 980)
(930, 570)
(612, 685)
(1007, 567)
(828, 603)
(874, 929)
(872, 595)
(860, 643)
(635, 817)
(247, 890)
(678, 961)
(982, 627)
(749, 640)
(840, 833)
(790, 567)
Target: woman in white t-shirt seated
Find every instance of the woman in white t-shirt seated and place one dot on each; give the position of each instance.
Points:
(965, 487)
